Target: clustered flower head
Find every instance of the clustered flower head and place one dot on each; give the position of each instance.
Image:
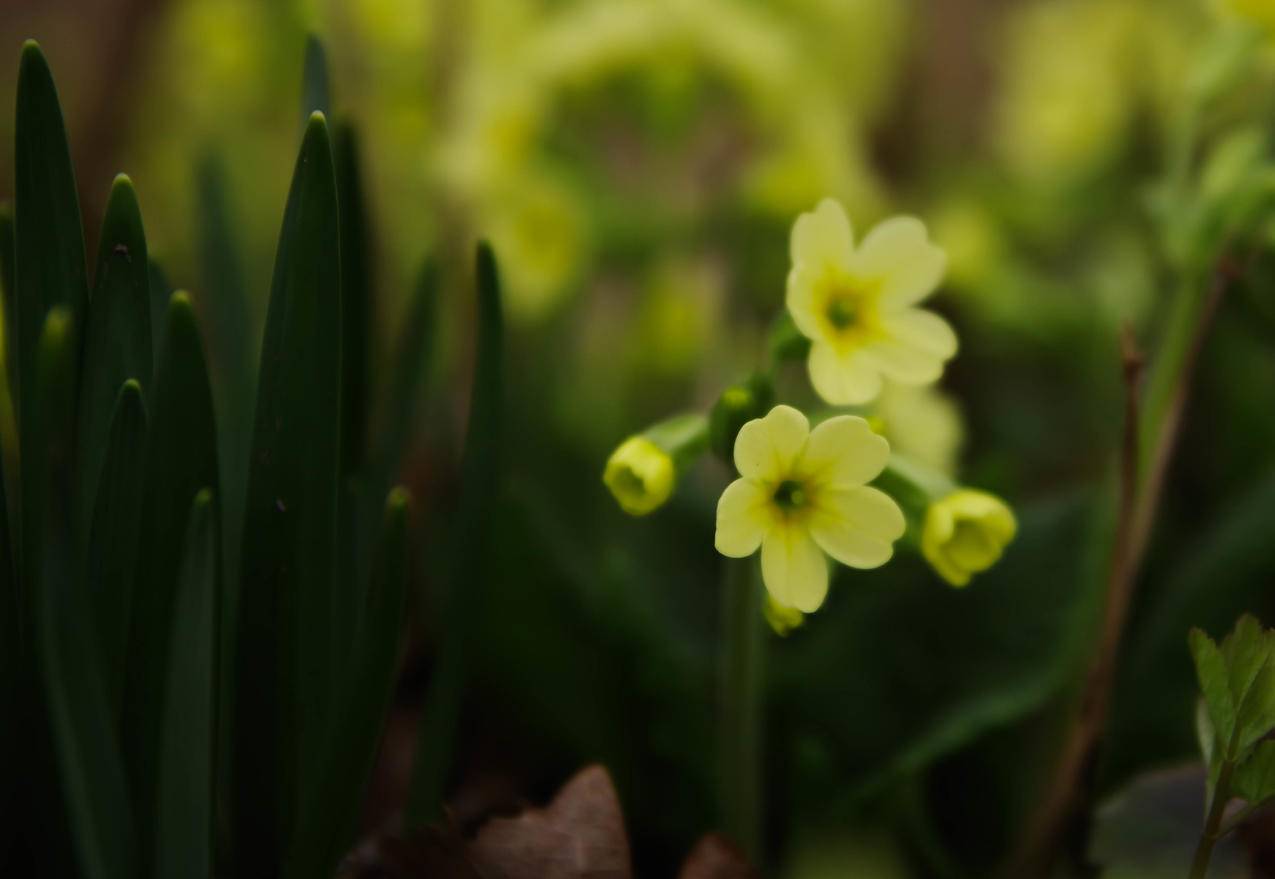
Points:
(804, 496)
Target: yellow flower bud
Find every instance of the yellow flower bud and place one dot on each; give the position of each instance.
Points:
(965, 533)
(640, 475)
(781, 618)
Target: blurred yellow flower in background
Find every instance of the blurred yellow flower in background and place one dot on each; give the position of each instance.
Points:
(856, 304)
(922, 423)
(965, 533)
(803, 493)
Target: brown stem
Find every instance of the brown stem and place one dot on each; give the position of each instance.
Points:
(1067, 791)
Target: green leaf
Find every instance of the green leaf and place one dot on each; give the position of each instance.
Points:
(316, 89)
(184, 832)
(117, 339)
(85, 743)
(1250, 657)
(112, 542)
(160, 292)
(285, 654)
(1214, 678)
(356, 299)
(330, 814)
(1254, 779)
(470, 563)
(8, 256)
(49, 239)
(181, 460)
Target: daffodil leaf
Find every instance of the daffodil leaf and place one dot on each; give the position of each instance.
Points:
(366, 686)
(1211, 670)
(286, 656)
(161, 290)
(470, 562)
(356, 298)
(84, 736)
(49, 239)
(9, 291)
(231, 329)
(186, 791)
(117, 339)
(113, 537)
(181, 460)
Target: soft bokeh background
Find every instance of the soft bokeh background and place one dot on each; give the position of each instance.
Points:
(637, 165)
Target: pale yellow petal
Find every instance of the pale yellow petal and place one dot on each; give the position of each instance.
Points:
(822, 236)
(901, 362)
(743, 517)
(842, 379)
(800, 299)
(794, 568)
(922, 330)
(857, 526)
(766, 448)
(844, 450)
(899, 255)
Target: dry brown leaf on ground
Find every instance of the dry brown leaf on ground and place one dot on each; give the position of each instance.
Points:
(715, 857)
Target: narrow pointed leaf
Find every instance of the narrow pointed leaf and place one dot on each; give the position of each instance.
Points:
(285, 654)
(84, 738)
(11, 650)
(7, 287)
(49, 240)
(117, 338)
(356, 299)
(329, 816)
(160, 292)
(181, 460)
(480, 480)
(112, 548)
(184, 833)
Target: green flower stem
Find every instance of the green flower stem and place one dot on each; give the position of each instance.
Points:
(739, 745)
(684, 437)
(1213, 830)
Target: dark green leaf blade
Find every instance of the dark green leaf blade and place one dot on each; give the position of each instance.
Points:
(181, 460)
(117, 338)
(357, 302)
(85, 743)
(330, 814)
(161, 290)
(8, 255)
(112, 543)
(184, 833)
(285, 654)
(49, 238)
(470, 564)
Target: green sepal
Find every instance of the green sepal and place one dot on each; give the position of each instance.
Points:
(286, 655)
(184, 828)
(736, 406)
(329, 816)
(113, 537)
(117, 339)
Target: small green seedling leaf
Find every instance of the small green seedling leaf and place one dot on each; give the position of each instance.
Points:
(1212, 673)
(184, 832)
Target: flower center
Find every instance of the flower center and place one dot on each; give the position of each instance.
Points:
(790, 495)
(842, 310)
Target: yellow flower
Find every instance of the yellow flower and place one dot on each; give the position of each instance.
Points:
(640, 475)
(803, 493)
(856, 304)
(965, 533)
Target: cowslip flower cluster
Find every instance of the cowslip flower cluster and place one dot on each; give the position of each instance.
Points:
(857, 304)
(838, 491)
(802, 495)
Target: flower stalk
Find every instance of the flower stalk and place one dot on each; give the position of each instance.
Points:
(740, 733)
